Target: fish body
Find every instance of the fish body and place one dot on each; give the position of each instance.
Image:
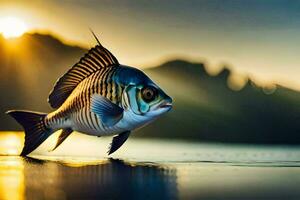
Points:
(99, 97)
(76, 111)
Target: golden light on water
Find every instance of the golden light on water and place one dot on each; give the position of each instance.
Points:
(12, 27)
(11, 178)
(11, 143)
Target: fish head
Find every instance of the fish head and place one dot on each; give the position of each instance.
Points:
(144, 97)
(148, 100)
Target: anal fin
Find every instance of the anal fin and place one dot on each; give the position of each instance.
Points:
(63, 135)
(118, 141)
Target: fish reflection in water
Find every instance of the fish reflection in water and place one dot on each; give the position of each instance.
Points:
(111, 179)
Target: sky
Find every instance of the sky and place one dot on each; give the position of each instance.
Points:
(253, 37)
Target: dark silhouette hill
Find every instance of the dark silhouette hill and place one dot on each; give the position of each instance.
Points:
(29, 66)
(205, 108)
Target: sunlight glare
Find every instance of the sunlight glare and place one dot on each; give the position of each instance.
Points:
(12, 27)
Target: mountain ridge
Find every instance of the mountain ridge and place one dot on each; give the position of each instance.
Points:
(50, 40)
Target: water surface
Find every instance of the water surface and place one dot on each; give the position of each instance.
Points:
(147, 169)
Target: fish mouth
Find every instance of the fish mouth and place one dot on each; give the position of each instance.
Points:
(166, 105)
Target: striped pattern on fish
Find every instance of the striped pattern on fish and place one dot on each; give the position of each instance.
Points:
(77, 106)
(97, 96)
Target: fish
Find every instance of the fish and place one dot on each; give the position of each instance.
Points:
(97, 96)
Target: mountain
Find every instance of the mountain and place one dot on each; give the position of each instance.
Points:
(205, 108)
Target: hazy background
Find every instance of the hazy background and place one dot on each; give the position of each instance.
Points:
(231, 67)
(259, 38)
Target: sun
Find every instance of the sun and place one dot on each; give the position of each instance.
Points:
(12, 27)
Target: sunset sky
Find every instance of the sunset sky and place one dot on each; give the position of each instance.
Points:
(259, 38)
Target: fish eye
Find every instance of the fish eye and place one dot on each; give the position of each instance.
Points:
(149, 93)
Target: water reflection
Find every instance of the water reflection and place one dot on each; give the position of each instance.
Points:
(111, 179)
(11, 143)
(153, 169)
(11, 178)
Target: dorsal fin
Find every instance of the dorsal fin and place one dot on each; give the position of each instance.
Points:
(97, 58)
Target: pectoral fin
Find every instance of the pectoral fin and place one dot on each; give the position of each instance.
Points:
(63, 135)
(118, 141)
(108, 112)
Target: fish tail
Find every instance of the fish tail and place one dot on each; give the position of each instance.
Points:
(36, 132)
